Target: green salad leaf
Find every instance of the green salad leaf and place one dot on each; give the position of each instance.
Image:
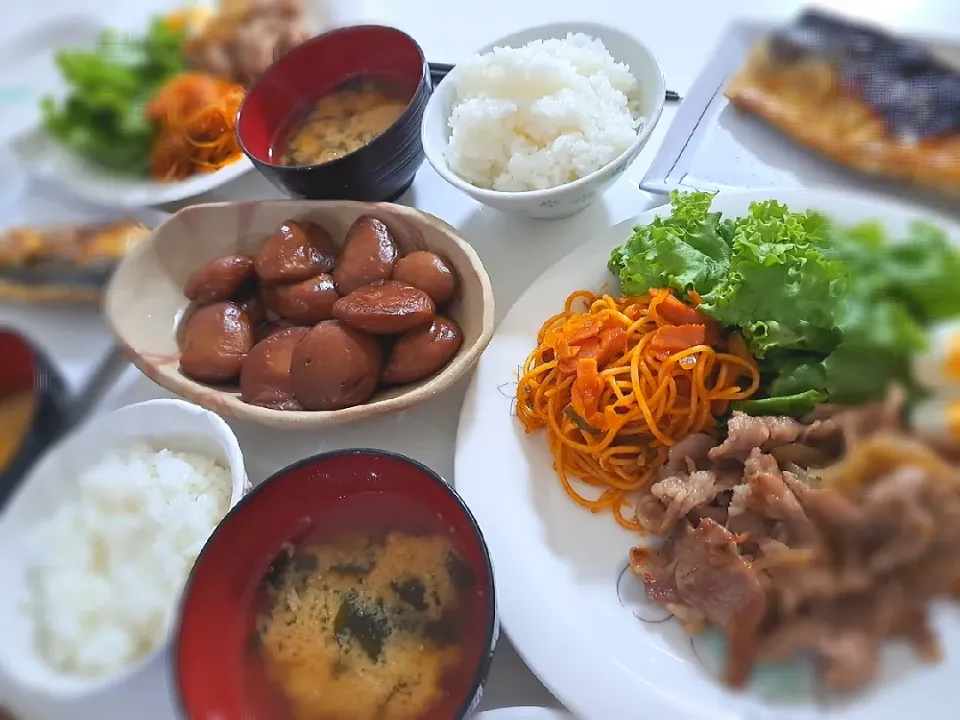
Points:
(774, 248)
(829, 313)
(108, 86)
(690, 248)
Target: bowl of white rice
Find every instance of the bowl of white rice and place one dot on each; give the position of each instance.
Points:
(98, 541)
(541, 122)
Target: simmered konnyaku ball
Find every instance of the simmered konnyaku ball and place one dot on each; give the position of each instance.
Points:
(369, 254)
(216, 341)
(305, 326)
(296, 251)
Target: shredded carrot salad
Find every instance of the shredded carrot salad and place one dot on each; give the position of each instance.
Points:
(617, 381)
(195, 115)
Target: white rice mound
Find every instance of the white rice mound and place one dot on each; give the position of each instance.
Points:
(114, 559)
(541, 115)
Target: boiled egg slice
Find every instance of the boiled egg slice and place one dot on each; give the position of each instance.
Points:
(938, 367)
(937, 418)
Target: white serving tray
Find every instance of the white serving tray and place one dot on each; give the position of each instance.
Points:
(712, 146)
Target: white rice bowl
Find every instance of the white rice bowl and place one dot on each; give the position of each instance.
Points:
(67, 504)
(541, 115)
(113, 560)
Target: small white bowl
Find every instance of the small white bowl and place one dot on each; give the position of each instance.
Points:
(174, 424)
(573, 197)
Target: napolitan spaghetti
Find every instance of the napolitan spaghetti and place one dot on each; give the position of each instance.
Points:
(617, 381)
(195, 116)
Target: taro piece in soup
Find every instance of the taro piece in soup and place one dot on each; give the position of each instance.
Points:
(377, 617)
(340, 122)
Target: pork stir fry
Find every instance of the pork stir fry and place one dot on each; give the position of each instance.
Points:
(246, 38)
(825, 536)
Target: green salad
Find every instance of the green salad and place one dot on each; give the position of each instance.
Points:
(102, 117)
(830, 313)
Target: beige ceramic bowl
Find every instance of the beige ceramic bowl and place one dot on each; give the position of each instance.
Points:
(144, 302)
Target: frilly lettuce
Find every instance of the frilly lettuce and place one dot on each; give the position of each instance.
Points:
(829, 313)
(102, 115)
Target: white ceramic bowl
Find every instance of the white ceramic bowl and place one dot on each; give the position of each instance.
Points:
(174, 424)
(144, 302)
(573, 197)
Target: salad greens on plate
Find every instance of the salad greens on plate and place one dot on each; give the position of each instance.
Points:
(830, 313)
(102, 117)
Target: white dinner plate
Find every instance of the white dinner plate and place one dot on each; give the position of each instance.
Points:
(574, 615)
(43, 158)
(49, 161)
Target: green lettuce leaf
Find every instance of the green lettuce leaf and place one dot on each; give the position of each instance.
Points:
(782, 289)
(828, 312)
(689, 248)
(102, 116)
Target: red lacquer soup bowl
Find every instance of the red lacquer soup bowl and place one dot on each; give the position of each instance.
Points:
(222, 665)
(26, 371)
(381, 170)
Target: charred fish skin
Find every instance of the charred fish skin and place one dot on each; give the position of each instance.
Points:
(916, 95)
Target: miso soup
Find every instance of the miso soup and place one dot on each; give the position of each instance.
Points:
(374, 617)
(340, 122)
(16, 416)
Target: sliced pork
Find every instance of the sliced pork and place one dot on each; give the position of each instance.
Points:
(702, 569)
(824, 536)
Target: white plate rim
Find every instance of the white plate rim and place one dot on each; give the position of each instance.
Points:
(557, 648)
(41, 156)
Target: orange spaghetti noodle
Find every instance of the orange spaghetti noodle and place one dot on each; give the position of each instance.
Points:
(619, 381)
(195, 115)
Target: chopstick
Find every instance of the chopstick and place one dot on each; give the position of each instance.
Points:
(438, 71)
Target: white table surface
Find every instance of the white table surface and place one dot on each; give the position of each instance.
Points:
(680, 33)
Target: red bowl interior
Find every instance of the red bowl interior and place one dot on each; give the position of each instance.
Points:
(18, 364)
(317, 67)
(321, 496)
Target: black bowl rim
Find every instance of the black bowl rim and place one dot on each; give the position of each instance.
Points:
(411, 108)
(492, 621)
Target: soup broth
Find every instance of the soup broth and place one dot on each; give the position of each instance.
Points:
(340, 122)
(16, 416)
(376, 617)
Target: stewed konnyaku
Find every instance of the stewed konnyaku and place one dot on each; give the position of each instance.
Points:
(307, 325)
